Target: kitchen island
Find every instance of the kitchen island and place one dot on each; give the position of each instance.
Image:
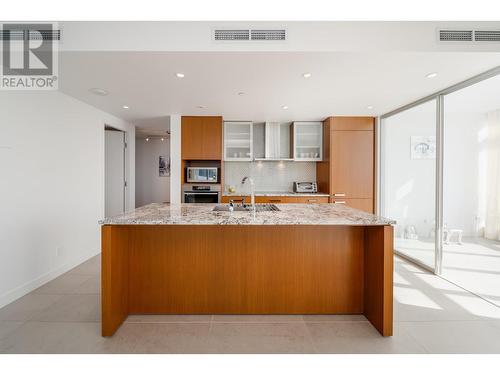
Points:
(303, 259)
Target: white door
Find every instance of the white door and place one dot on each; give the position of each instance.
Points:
(114, 172)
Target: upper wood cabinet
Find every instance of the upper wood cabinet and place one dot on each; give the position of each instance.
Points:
(347, 169)
(201, 137)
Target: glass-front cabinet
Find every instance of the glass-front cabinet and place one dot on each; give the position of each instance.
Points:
(238, 141)
(307, 140)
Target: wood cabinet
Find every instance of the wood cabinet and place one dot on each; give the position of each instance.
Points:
(360, 204)
(201, 138)
(352, 163)
(347, 169)
(276, 199)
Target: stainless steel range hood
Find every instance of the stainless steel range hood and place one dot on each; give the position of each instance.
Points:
(275, 139)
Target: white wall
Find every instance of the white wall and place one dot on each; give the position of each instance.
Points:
(464, 172)
(51, 186)
(149, 186)
(175, 159)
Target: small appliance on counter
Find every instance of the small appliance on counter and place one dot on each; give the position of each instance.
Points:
(305, 187)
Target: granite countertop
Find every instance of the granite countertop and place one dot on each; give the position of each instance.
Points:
(275, 194)
(289, 214)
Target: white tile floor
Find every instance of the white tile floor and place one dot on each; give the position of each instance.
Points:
(474, 265)
(431, 316)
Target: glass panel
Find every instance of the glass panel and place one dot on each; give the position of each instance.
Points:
(471, 189)
(238, 141)
(408, 162)
(308, 140)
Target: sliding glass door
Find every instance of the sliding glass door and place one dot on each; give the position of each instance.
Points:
(408, 178)
(439, 177)
(471, 189)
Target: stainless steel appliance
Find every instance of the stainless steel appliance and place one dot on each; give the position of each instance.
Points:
(201, 194)
(305, 187)
(202, 174)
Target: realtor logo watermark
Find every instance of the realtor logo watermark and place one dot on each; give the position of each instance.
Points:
(29, 56)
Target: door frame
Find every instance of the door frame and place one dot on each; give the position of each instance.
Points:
(125, 166)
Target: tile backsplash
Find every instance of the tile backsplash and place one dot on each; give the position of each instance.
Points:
(269, 176)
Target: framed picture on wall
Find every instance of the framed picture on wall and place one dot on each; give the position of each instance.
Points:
(423, 147)
(164, 166)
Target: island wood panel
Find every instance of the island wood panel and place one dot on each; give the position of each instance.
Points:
(114, 277)
(253, 270)
(378, 275)
(186, 269)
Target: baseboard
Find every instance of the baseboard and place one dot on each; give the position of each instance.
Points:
(24, 289)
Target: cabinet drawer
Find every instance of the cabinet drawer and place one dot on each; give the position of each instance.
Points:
(360, 204)
(308, 200)
(235, 199)
(277, 200)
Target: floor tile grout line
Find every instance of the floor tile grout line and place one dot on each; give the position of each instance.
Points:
(461, 287)
(416, 341)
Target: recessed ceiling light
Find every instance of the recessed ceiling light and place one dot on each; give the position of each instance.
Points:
(200, 107)
(284, 107)
(431, 75)
(162, 139)
(370, 107)
(307, 75)
(125, 107)
(179, 75)
(98, 91)
(147, 139)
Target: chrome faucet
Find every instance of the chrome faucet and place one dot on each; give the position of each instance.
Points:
(252, 191)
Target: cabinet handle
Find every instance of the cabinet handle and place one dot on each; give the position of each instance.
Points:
(312, 200)
(339, 195)
(339, 202)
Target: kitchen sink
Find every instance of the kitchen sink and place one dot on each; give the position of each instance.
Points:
(247, 208)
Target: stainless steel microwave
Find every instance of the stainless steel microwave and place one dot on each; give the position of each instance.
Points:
(202, 174)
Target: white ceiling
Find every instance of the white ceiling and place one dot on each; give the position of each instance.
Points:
(342, 83)
(482, 97)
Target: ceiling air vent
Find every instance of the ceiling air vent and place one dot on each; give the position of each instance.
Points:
(30, 35)
(232, 34)
(455, 35)
(268, 34)
(11, 34)
(487, 35)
